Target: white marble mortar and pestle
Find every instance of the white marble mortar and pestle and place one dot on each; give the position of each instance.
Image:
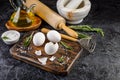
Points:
(74, 11)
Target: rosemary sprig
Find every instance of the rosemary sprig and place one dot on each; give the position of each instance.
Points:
(81, 35)
(5, 38)
(81, 27)
(61, 59)
(27, 40)
(65, 45)
(88, 28)
(98, 30)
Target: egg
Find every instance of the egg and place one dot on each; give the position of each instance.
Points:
(53, 36)
(38, 39)
(51, 48)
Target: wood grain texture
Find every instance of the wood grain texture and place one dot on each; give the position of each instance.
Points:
(70, 56)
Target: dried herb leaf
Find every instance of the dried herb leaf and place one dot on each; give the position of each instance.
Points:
(81, 35)
(88, 28)
(61, 59)
(5, 38)
(65, 45)
(98, 30)
(27, 40)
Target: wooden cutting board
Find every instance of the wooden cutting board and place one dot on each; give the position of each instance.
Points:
(28, 55)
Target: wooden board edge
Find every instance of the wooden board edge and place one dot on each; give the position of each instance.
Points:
(63, 73)
(73, 62)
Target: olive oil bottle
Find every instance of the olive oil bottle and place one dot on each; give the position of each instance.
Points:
(22, 17)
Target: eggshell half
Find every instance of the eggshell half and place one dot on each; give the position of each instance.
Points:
(51, 48)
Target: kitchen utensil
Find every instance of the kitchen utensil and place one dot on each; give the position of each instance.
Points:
(88, 44)
(73, 4)
(74, 11)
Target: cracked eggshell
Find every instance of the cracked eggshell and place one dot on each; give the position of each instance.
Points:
(52, 58)
(43, 60)
(38, 53)
(51, 48)
(38, 39)
(53, 36)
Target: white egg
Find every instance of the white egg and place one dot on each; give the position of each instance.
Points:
(51, 48)
(53, 36)
(38, 39)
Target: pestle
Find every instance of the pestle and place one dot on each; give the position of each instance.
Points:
(73, 4)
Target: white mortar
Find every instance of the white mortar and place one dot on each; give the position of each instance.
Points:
(73, 16)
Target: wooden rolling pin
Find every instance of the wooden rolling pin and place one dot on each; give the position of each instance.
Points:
(51, 17)
(45, 30)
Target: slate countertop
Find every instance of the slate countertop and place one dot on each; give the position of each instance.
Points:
(103, 64)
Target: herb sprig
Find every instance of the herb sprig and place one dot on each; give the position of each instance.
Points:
(27, 40)
(65, 45)
(5, 38)
(81, 35)
(88, 28)
(60, 59)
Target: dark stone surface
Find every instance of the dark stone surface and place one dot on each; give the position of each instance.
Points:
(103, 64)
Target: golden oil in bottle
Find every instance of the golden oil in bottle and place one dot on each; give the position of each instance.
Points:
(24, 19)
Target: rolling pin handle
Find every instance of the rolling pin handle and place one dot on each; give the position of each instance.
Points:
(69, 31)
(45, 30)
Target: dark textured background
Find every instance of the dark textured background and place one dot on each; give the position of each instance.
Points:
(103, 64)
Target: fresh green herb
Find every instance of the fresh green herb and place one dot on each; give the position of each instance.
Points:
(27, 40)
(81, 35)
(81, 27)
(98, 30)
(65, 45)
(5, 38)
(61, 59)
(88, 28)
